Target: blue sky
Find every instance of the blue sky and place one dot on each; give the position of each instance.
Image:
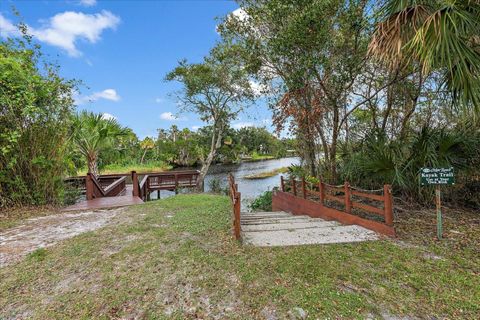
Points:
(122, 50)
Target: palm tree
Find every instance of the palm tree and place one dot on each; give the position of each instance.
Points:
(146, 144)
(91, 133)
(440, 35)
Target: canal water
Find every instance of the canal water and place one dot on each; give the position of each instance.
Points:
(249, 188)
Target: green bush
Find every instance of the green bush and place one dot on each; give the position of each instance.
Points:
(35, 110)
(263, 202)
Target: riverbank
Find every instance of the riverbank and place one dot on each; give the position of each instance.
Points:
(176, 258)
(161, 166)
(140, 168)
(266, 174)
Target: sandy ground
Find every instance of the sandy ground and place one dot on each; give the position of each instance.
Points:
(41, 232)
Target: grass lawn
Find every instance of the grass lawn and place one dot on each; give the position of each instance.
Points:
(175, 258)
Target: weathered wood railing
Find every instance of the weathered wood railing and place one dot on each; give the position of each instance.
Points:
(347, 197)
(96, 188)
(173, 181)
(235, 198)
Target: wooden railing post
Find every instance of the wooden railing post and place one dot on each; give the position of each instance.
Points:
(304, 191)
(147, 188)
(237, 215)
(176, 184)
(294, 186)
(348, 200)
(136, 187)
(388, 204)
(321, 191)
(282, 184)
(89, 186)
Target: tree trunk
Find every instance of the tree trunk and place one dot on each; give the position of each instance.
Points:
(92, 165)
(215, 145)
(143, 156)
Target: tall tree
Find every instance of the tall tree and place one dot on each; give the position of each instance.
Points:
(216, 90)
(311, 52)
(92, 133)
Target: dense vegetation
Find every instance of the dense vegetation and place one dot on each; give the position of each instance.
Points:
(372, 91)
(35, 109)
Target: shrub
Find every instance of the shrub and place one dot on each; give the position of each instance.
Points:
(216, 186)
(263, 202)
(35, 109)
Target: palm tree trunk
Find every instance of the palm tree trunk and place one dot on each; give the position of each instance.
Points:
(92, 165)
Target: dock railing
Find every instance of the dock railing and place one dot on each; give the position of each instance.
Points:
(96, 188)
(156, 181)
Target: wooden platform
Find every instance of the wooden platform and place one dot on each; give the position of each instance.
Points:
(108, 202)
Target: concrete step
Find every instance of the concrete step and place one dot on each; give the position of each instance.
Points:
(289, 225)
(276, 220)
(316, 235)
(265, 214)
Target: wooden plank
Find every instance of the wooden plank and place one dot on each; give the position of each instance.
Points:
(283, 201)
(334, 198)
(368, 208)
(333, 188)
(376, 197)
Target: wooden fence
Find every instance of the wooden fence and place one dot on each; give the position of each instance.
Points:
(324, 200)
(235, 198)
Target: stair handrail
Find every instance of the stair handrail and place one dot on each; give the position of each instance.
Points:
(235, 198)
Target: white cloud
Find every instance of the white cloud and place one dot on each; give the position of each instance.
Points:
(108, 116)
(171, 117)
(107, 94)
(64, 29)
(88, 3)
(7, 28)
(240, 125)
(239, 14)
(159, 100)
(195, 128)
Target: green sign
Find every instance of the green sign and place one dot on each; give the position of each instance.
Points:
(437, 176)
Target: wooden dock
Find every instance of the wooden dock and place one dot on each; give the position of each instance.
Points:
(107, 202)
(110, 191)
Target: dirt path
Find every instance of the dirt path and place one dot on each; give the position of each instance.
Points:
(46, 231)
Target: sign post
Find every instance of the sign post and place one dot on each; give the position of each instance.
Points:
(438, 203)
(437, 177)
